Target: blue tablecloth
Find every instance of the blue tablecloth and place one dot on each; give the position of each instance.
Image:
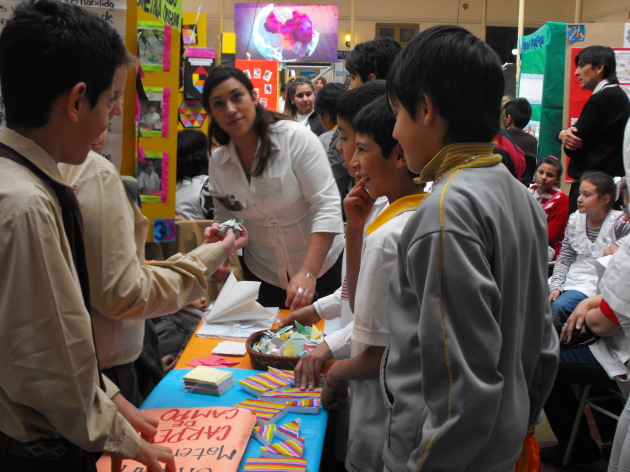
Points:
(170, 393)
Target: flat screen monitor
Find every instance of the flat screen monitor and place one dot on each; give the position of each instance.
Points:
(286, 32)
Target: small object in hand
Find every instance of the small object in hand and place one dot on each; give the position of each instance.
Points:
(301, 290)
(564, 324)
(230, 224)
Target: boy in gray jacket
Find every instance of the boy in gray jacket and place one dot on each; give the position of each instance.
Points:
(473, 354)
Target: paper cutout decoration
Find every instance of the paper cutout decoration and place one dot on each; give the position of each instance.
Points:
(152, 175)
(289, 430)
(154, 46)
(219, 436)
(163, 230)
(192, 114)
(266, 464)
(308, 406)
(262, 383)
(198, 63)
(266, 412)
(289, 394)
(230, 348)
(211, 360)
(575, 33)
(289, 448)
(264, 433)
(237, 302)
(153, 120)
(189, 34)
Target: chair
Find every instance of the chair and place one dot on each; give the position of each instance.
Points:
(587, 400)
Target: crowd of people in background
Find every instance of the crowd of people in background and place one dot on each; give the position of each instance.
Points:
(473, 292)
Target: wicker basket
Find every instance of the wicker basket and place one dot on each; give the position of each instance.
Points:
(261, 361)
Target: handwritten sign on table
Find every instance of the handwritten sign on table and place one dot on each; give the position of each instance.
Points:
(202, 439)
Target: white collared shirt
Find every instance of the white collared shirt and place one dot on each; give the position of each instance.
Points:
(295, 196)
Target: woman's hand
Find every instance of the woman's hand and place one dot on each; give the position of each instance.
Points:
(575, 322)
(301, 290)
(611, 250)
(553, 296)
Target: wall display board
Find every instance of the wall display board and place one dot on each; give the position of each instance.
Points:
(542, 83)
(264, 77)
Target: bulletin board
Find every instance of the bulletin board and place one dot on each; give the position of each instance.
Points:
(541, 83)
(264, 77)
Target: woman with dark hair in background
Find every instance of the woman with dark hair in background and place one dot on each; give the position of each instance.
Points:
(300, 104)
(192, 199)
(273, 174)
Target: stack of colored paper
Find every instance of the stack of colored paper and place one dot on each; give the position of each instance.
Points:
(289, 448)
(208, 380)
(290, 394)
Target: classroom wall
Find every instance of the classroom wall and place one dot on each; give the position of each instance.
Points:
(430, 12)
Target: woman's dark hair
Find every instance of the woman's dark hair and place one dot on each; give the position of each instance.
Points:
(263, 118)
(432, 65)
(372, 57)
(552, 161)
(192, 154)
(604, 184)
(290, 108)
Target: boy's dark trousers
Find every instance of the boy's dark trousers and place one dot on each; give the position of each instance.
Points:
(50, 455)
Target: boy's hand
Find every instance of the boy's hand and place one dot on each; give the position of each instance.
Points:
(151, 455)
(229, 242)
(308, 369)
(306, 316)
(358, 205)
(146, 425)
(334, 393)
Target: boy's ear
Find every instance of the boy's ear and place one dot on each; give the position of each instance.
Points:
(399, 154)
(75, 100)
(429, 112)
(372, 76)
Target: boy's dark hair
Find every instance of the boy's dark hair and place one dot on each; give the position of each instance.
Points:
(377, 121)
(433, 65)
(327, 98)
(64, 42)
(604, 184)
(353, 100)
(372, 57)
(263, 118)
(552, 161)
(192, 154)
(600, 56)
(520, 110)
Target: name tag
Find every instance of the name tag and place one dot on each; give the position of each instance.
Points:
(268, 187)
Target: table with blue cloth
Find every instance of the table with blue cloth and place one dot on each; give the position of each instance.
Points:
(170, 393)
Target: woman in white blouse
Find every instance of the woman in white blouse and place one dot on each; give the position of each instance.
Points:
(272, 173)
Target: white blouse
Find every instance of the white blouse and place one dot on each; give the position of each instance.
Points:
(295, 196)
